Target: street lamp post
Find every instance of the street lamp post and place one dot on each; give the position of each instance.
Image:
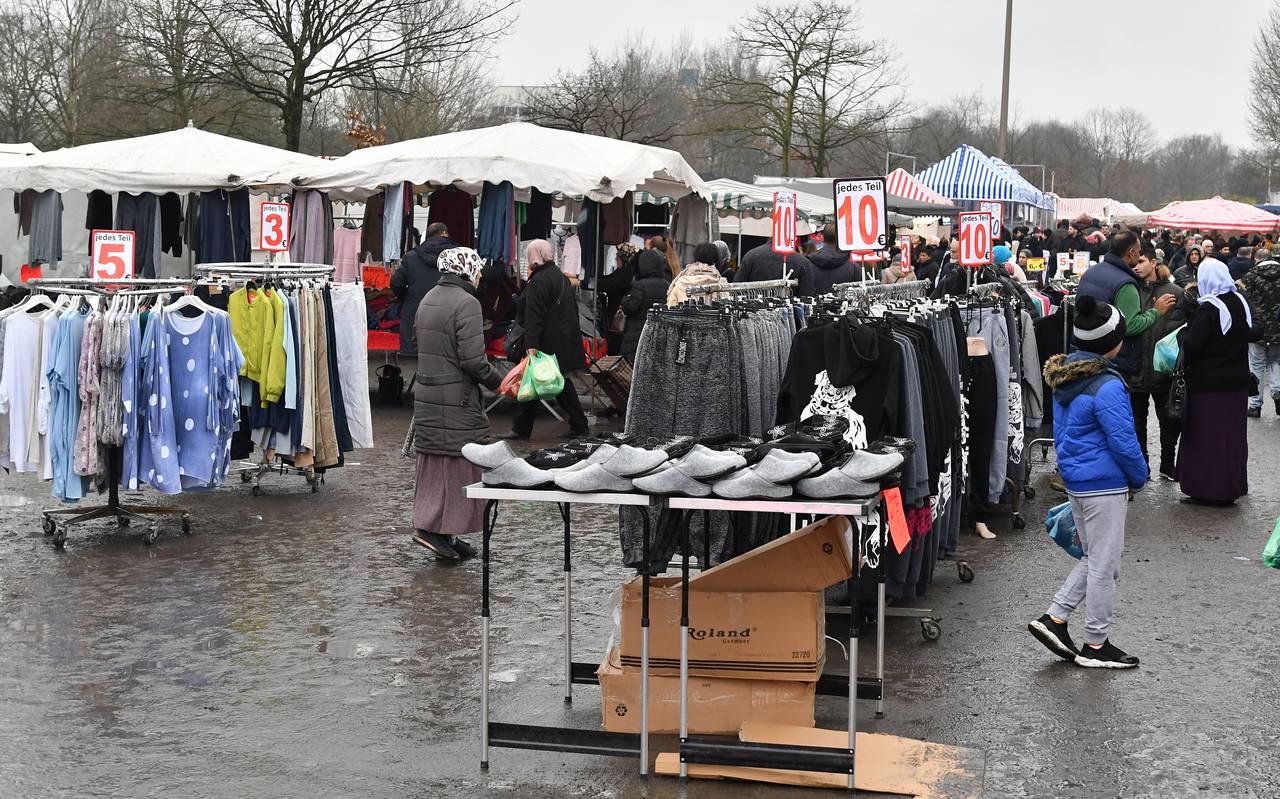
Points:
(1004, 83)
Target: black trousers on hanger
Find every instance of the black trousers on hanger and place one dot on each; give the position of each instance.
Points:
(522, 423)
(982, 428)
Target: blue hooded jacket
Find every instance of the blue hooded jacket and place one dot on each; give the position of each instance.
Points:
(1093, 430)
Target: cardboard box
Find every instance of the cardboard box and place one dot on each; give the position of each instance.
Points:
(716, 705)
(758, 616)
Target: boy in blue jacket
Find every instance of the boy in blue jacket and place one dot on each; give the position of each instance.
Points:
(1100, 462)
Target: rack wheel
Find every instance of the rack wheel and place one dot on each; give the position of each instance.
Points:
(1019, 523)
(122, 521)
(150, 536)
(930, 629)
(965, 572)
(49, 525)
(315, 486)
(256, 491)
(1029, 492)
(245, 477)
(186, 524)
(59, 538)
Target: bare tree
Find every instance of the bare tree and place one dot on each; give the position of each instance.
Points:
(636, 94)
(20, 108)
(809, 83)
(1114, 142)
(288, 54)
(75, 60)
(1264, 81)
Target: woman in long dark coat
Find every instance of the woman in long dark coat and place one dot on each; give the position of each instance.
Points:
(1213, 464)
(447, 409)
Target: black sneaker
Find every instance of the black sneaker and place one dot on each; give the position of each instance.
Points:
(437, 544)
(1107, 656)
(1055, 637)
(1255, 413)
(464, 550)
(1168, 474)
(1277, 406)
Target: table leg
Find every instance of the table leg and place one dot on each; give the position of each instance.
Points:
(568, 608)
(644, 650)
(684, 633)
(880, 605)
(855, 623)
(490, 518)
(706, 540)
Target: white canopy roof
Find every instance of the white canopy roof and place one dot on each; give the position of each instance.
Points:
(17, 148)
(528, 155)
(187, 159)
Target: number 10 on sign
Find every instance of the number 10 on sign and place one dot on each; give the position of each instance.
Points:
(784, 221)
(862, 218)
(975, 238)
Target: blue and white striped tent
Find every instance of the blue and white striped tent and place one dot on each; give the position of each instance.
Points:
(969, 175)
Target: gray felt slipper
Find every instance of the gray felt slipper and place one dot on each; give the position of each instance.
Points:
(601, 454)
(631, 461)
(593, 479)
(671, 481)
(488, 456)
(746, 484)
(868, 467)
(786, 467)
(703, 463)
(517, 473)
(833, 484)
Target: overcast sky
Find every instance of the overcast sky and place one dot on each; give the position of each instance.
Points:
(1183, 63)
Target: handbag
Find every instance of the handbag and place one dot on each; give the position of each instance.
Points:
(390, 384)
(513, 344)
(1177, 403)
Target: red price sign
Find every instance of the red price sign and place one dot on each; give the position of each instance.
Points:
(898, 529)
(273, 234)
(996, 209)
(111, 255)
(862, 218)
(975, 238)
(904, 252)
(784, 221)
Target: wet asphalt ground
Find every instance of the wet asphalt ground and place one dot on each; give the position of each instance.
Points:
(298, 645)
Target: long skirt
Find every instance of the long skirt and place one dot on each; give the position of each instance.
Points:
(439, 505)
(1213, 462)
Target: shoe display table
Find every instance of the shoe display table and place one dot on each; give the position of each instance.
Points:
(701, 750)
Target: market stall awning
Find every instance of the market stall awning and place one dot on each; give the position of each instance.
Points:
(823, 187)
(1103, 208)
(182, 160)
(903, 184)
(968, 174)
(25, 148)
(527, 155)
(1213, 214)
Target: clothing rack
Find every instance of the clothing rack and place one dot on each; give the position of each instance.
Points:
(249, 471)
(984, 289)
(734, 288)
(58, 520)
(905, 289)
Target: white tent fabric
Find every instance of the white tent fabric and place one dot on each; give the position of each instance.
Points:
(1103, 208)
(8, 149)
(183, 160)
(526, 154)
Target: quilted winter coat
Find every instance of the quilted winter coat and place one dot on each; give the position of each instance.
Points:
(1093, 430)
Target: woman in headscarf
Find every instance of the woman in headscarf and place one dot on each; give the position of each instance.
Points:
(648, 289)
(723, 255)
(702, 272)
(1213, 464)
(447, 409)
(613, 287)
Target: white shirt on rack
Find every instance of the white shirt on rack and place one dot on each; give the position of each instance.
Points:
(21, 362)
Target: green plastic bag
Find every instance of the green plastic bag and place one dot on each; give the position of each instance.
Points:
(1166, 355)
(542, 379)
(1271, 552)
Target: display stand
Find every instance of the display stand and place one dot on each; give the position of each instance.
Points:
(599, 742)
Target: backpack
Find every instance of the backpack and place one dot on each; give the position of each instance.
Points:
(390, 384)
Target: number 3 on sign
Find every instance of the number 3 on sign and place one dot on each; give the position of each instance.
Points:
(862, 218)
(274, 233)
(112, 254)
(975, 238)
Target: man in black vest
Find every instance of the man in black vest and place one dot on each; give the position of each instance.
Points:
(1113, 281)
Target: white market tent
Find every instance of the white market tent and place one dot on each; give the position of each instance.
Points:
(25, 148)
(527, 155)
(1103, 208)
(969, 175)
(183, 160)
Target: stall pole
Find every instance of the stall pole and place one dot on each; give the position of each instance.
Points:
(855, 624)
(568, 610)
(644, 652)
(490, 519)
(684, 638)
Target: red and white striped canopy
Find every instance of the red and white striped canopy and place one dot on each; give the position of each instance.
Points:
(903, 184)
(1214, 214)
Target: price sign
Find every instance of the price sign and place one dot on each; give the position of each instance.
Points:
(975, 238)
(862, 217)
(1081, 263)
(1064, 262)
(996, 209)
(111, 255)
(273, 234)
(784, 222)
(898, 530)
(904, 252)
(1035, 264)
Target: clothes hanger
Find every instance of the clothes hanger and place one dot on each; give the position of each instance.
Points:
(189, 300)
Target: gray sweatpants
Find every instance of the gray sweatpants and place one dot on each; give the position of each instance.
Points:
(1100, 525)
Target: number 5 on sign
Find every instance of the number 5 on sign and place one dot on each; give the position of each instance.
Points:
(273, 235)
(975, 238)
(862, 218)
(111, 255)
(784, 221)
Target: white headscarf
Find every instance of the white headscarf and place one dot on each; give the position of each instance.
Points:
(1213, 279)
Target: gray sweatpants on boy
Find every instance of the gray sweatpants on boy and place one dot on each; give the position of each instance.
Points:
(1100, 525)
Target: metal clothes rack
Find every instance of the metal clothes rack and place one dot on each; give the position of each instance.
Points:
(738, 288)
(57, 521)
(250, 471)
(906, 288)
(692, 750)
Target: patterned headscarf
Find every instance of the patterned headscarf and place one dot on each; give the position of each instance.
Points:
(627, 251)
(461, 261)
